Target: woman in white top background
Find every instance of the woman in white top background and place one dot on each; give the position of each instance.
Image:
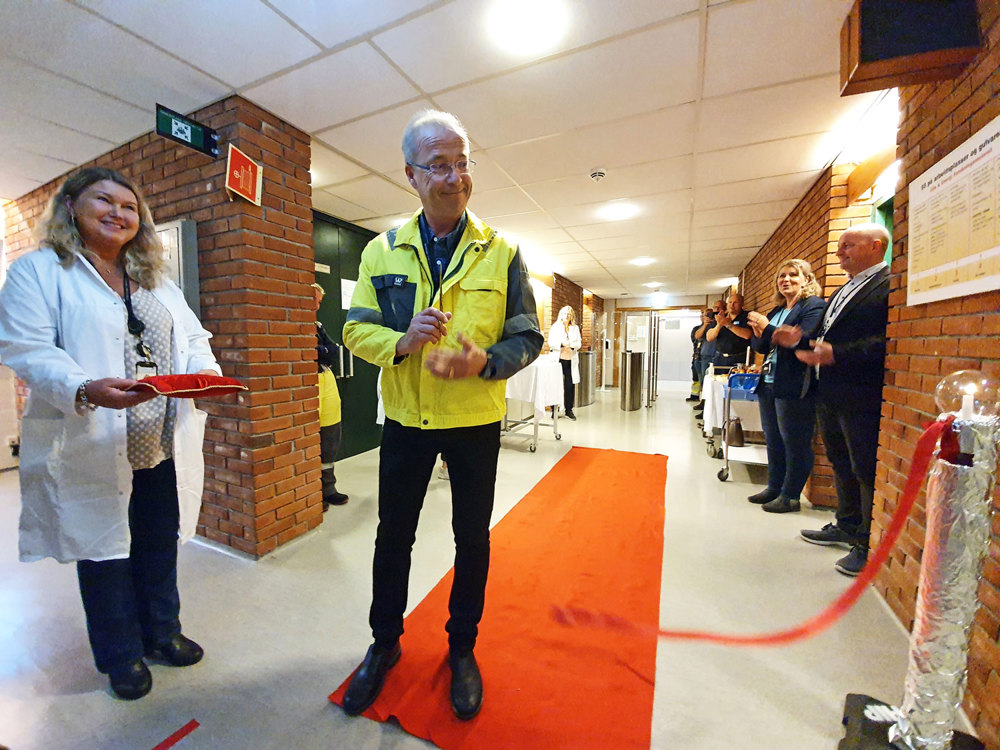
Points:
(564, 337)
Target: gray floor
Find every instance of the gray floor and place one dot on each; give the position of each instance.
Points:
(282, 633)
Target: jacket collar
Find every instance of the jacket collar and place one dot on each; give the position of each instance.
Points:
(475, 231)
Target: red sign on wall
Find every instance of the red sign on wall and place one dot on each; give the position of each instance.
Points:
(244, 176)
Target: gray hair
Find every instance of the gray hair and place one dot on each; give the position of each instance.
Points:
(428, 118)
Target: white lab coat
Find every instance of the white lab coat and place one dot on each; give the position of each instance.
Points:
(58, 327)
(560, 337)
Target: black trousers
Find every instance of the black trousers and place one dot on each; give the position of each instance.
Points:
(851, 439)
(406, 460)
(569, 390)
(329, 444)
(133, 604)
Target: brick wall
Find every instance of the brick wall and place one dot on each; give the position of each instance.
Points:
(810, 232)
(256, 263)
(929, 341)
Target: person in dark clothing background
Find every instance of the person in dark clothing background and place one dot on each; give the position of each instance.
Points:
(327, 355)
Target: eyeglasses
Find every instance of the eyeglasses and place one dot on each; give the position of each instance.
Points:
(443, 169)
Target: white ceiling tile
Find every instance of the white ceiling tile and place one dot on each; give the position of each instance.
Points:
(31, 91)
(763, 42)
(333, 23)
(782, 187)
(238, 41)
(750, 228)
(677, 203)
(632, 140)
(626, 242)
(470, 52)
(28, 31)
(377, 194)
(353, 82)
(338, 207)
(584, 88)
(524, 223)
(646, 180)
(729, 244)
(329, 168)
(740, 214)
(777, 112)
(547, 237)
(381, 224)
(793, 155)
(500, 202)
(13, 186)
(35, 166)
(18, 131)
(375, 140)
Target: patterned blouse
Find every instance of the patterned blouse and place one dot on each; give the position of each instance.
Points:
(151, 423)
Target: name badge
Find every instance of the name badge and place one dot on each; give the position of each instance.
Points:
(145, 369)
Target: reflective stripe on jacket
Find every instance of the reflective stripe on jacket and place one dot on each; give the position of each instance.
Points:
(485, 288)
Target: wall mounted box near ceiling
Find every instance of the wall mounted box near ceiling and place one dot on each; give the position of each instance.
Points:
(890, 43)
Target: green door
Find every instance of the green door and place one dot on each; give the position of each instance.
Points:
(882, 214)
(338, 246)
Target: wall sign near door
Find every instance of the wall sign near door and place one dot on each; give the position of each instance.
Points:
(244, 176)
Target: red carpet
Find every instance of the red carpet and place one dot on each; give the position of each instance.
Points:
(589, 535)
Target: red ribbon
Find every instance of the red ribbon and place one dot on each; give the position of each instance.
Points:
(817, 624)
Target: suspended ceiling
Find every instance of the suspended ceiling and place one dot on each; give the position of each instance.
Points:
(711, 117)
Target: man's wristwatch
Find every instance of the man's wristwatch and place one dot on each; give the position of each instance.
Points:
(83, 404)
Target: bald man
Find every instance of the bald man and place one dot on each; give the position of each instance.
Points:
(849, 355)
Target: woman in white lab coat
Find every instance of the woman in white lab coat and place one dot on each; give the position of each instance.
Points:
(110, 478)
(564, 337)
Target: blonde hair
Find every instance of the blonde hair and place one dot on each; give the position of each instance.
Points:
(570, 314)
(810, 287)
(144, 256)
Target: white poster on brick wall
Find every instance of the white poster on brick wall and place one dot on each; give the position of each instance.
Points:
(954, 222)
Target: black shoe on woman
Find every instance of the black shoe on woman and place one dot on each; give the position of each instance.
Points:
(131, 682)
(571, 415)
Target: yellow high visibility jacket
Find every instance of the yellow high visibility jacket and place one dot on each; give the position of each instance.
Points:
(487, 291)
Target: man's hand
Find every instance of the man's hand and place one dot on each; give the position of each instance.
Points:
(722, 319)
(452, 364)
(821, 354)
(787, 336)
(113, 393)
(427, 327)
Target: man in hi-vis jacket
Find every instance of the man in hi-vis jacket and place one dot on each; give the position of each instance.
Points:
(444, 306)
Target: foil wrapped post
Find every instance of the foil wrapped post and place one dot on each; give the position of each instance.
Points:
(959, 492)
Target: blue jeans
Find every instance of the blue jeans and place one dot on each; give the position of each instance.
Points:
(133, 604)
(788, 425)
(406, 460)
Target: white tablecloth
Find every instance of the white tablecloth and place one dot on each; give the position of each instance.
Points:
(540, 383)
(715, 394)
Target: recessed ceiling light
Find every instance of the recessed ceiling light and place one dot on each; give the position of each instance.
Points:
(527, 27)
(658, 299)
(618, 211)
(653, 284)
(642, 261)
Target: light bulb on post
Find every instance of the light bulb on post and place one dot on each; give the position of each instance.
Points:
(968, 393)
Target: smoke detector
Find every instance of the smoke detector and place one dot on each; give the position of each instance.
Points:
(598, 173)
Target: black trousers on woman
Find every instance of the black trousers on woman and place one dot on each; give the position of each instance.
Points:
(133, 604)
(406, 460)
(569, 390)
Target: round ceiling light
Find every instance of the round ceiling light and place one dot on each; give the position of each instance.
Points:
(618, 211)
(527, 27)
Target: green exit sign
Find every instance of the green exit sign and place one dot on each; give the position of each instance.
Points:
(184, 130)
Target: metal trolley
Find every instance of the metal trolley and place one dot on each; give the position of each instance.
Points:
(739, 387)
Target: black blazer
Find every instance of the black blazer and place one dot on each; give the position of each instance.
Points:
(858, 339)
(791, 377)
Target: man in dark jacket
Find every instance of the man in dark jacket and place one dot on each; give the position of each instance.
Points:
(849, 355)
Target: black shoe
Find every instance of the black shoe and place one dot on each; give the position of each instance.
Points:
(854, 562)
(466, 685)
(782, 504)
(571, 415)
(699, 415)
(764, 496)
(367, 682)
(692, 397)
(132, 682)
(699, 406)
(336, 498)
(830, 535)
(179, 651)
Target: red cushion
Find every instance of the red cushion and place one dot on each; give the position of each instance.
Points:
(189, 386)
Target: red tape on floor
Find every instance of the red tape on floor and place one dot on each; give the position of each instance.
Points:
(817, 624)
(179, 735)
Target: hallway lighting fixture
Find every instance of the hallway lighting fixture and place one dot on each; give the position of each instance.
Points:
(618, 211)
(658, 299)
(653, 284)
(642, 260)
(527, 28)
